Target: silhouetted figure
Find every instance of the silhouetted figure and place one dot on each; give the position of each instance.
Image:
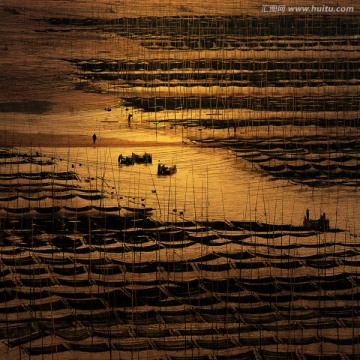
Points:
(94, 138)
(129, 118)
(324, 222)
(161, 168)
(307, 214)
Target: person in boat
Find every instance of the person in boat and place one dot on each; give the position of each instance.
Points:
(162, 168)
(120, 159)
(323, 217)
(307, 218)
(324, 222)
(147, 158)
(94, 138)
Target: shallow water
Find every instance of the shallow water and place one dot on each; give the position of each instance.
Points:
(106, 261)
(209, 184)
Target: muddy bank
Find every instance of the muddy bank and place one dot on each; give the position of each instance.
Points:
(44, 140)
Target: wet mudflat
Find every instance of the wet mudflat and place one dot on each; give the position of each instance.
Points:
(260, 115)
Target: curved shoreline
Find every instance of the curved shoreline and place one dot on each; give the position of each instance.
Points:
(16, 139)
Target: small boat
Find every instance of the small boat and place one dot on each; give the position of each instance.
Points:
(321, 224)
(135, 159)
(166, 170)
(142, 159)
(125, 160)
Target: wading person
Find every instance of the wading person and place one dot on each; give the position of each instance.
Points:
(94, 138)
(129, 118)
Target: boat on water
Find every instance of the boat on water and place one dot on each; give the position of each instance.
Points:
(320, 224)
(146, 158)
(166, 170)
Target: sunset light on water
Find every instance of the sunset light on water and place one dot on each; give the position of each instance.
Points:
(248, 248)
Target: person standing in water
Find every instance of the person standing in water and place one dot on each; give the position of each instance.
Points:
(129, 118)
(94, 138)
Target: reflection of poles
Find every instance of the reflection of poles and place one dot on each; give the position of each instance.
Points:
(182, 130)
(156, 128)
(182, 124)
(213, 125)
